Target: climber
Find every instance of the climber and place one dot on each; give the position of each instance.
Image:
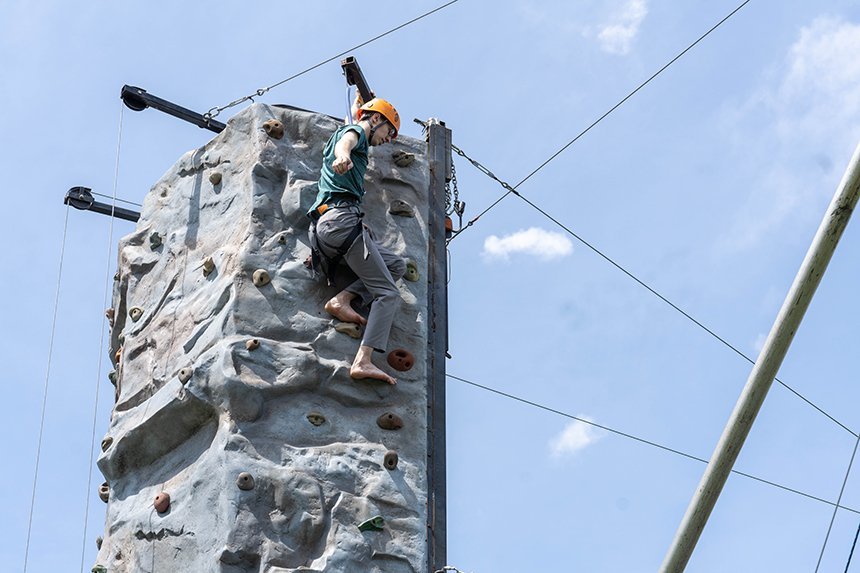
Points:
(337, 233)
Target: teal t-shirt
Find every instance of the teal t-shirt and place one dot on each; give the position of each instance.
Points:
(350, 185)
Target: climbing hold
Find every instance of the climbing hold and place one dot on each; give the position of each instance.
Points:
(389, 421)
(116, 276)
(99, 542)
(112, 376)
(215, 178)
(401, 359)
(274, 128)
(135, 313)
(154, 241)
(252, 344)
(109, 314)
(411, 271)
(449, 227)
(245, 481)
(118, 355)
(402, 158)
(121, 338)
(316, 418)
(402, 208)
(184, 374)
(99, 569)
(261, 278)
(349, 328)
(104, 492)
(282, 239)
(208, 266)
(106, 443)
(162, 502)
(373, 524)
(390, 460)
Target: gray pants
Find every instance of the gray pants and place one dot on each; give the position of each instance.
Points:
(377, 269)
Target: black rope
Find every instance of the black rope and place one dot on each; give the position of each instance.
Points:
(853, 545)
(649, 442)
(833, 517)
(262, 91)
(683, 312)
(511, 189)
(642, 85)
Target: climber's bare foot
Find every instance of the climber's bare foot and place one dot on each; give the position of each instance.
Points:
(362, 367)
(340, 308)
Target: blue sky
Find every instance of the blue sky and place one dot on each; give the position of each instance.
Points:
(708, 185)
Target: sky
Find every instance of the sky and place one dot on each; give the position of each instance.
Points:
(708, 185)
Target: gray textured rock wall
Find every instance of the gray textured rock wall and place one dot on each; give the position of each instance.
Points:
(222, 382)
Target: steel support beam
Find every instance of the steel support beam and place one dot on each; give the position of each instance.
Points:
(138, 99)
(439, 157)
(82, 198)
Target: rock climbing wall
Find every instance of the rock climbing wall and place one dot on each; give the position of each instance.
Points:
(238, 441)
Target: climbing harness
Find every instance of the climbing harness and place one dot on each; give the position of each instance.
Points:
(318, 259)
(105, 299)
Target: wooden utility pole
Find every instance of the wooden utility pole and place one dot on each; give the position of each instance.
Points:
(765, 368)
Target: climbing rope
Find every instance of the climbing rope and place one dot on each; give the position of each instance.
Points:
(650, 443)
(213, 112)
(833, 517)
(105, 303)
(115, 199)
(45, 395)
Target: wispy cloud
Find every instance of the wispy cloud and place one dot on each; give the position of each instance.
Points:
(796, 126)
(573, 438)
(543, 244)
(617, 35)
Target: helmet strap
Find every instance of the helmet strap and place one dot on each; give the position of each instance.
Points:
(374, 128)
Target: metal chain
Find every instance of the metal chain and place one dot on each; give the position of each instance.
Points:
(483, 169)
(455, 206)
(489, 174)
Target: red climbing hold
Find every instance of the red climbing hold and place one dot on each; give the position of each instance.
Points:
(162, 502)
(401, 360)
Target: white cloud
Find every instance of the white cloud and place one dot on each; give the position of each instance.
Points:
(617, 36)
(799, 128)
(759, 342)
(575, 437)
(543, 244)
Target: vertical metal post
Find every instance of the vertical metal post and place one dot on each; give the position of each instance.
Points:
(439, 157)
(765, 368)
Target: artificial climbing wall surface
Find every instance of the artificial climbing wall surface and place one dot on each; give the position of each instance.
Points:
(234, 403)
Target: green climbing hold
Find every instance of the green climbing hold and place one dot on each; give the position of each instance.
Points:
(154, 241)
(135, 313)
(411, 271)
(99, 569)
(373, 524)
(112, 376)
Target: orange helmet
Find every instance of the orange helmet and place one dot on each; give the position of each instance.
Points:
(387, 110)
